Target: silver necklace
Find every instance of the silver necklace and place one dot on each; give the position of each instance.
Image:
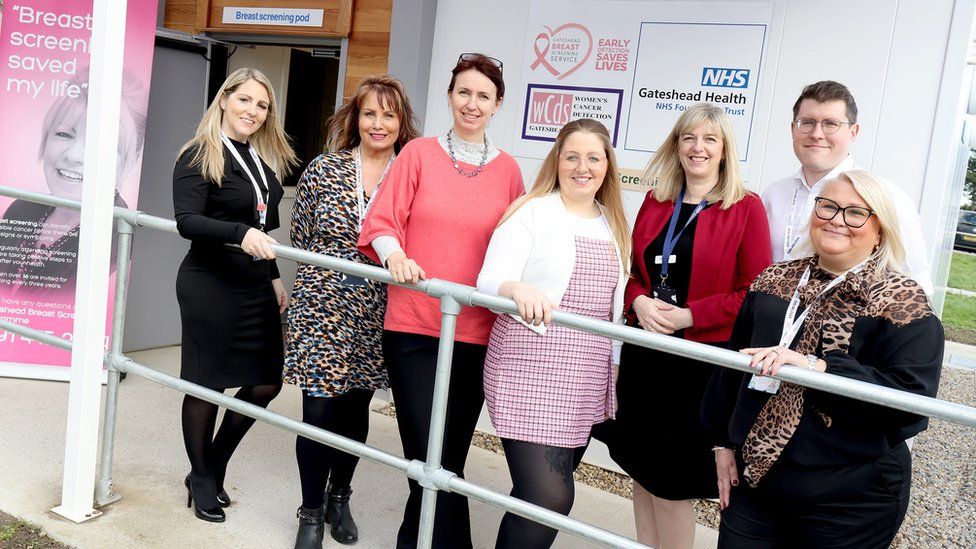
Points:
(460, 170)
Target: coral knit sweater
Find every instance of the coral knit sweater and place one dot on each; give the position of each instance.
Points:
(444, 222)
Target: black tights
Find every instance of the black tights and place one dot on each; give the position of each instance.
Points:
(347, 415)
(542, 475)
(209, 454)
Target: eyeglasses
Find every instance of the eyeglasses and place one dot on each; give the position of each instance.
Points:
(829, 126)
(854, 216)
(573, 160)
(477, 56)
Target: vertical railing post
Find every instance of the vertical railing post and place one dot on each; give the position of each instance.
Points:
(450, 309)
(103, 484)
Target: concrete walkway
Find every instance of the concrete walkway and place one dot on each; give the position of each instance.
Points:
(262, 480)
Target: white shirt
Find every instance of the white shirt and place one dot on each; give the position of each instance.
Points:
(789, 205)
(537, 246)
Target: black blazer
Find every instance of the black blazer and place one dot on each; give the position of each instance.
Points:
(210, 215)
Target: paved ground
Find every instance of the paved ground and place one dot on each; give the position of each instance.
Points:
(262, 481)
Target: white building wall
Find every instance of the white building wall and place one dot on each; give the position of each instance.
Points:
(903, 61)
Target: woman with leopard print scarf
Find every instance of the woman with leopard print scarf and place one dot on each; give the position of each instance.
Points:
(820, 469)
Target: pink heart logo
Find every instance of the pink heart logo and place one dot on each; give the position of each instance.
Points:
(560, 58)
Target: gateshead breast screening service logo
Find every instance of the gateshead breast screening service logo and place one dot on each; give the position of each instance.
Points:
(563, 50)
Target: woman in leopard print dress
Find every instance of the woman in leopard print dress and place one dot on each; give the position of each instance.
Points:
(336, 320)
(821, 470)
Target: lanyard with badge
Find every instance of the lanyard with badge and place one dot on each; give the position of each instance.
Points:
(262, 202)
(362, 207)
(792, 327)
(790, 241)
(662, 291)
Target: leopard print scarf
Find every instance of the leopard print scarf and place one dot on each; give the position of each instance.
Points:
(831, 319)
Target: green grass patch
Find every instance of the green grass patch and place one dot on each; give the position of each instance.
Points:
(7, 532)
(962, 272)
(959, 312)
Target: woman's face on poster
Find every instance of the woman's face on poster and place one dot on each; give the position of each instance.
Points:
(64, 158)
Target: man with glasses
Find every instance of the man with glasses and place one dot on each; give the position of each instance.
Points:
(823, 128)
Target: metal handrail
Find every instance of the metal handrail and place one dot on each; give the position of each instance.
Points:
(452, 295)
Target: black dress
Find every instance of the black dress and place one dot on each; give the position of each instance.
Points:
(657, 437)
(231, 325)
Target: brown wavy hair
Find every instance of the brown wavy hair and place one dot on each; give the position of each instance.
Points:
(343, 126)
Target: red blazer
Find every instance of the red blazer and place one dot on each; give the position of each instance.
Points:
(731, 248)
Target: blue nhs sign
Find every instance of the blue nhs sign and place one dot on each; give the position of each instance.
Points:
(718, 77)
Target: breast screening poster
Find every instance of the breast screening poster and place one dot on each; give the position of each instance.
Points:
(635, 66)
(45, 48)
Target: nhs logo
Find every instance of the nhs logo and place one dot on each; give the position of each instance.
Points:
(717, 77)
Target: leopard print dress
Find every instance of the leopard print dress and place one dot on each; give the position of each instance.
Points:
(335, 322)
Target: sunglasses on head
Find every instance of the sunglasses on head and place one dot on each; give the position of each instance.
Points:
(477, 56)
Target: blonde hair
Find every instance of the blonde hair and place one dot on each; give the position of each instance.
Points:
(343, 126)
(890, 253)
(269, 140)
(608, 195)
(665, 167)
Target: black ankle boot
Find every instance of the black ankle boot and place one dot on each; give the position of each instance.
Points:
(311, 528)
(337, 514)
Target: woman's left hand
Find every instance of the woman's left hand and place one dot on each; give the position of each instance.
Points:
(727, 473)
(280, 294)
(679, 316)
(771, 359)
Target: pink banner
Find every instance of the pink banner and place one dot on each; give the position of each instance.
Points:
(44, 57)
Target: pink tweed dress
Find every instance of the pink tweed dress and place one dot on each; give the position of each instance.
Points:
(552, 388)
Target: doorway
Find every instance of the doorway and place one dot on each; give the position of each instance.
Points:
(310, 101)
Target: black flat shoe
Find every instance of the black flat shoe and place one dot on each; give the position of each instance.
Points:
(338, 516)
(213, 514)
(311, 528)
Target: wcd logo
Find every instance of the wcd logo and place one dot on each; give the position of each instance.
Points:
(717, 77)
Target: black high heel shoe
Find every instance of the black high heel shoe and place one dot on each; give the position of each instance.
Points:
(222, 498)
(215, 514)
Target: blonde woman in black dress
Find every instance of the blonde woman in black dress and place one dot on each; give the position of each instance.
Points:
(335, 322)
(225, 191)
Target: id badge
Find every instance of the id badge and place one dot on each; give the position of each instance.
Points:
(665, 294)
(764, 384)
(351, 280)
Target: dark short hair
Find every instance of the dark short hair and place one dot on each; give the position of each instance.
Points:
(485, 66)
(828, 90)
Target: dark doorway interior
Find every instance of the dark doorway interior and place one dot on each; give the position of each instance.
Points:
(310, 102)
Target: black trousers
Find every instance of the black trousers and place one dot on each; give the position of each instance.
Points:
(411, 362)
(854, 506)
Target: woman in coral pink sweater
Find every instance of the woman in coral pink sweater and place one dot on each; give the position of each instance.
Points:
(433, 218)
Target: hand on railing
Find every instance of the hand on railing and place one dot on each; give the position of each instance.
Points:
(534, 307)
(258, 244)
(649, 315)
(404, 269)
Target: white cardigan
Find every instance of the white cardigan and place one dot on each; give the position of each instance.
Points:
(537, 246)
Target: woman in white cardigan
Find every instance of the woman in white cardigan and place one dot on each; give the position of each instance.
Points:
(564, 245)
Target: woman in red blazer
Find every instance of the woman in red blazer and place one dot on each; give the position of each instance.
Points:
(699, 240)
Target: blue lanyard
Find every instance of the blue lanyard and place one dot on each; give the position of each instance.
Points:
(671, 239)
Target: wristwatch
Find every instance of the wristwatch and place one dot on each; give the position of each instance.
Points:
(812, 362)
